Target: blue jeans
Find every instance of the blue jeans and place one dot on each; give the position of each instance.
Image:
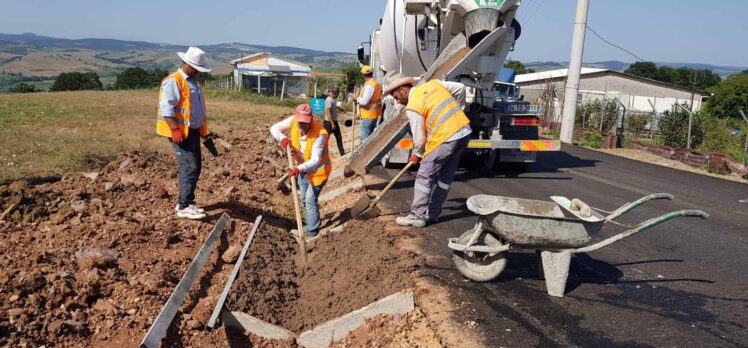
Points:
(190, 161)
(310, 202)
(367, 127)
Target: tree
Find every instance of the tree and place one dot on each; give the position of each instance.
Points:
(643, 69)
(729, 96)
(23, 88)
(133, 78)
(683, 77)
(76, 81)
(352, 76)
(518, 67)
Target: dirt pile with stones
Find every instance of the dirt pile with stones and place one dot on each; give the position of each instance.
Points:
(92, 258)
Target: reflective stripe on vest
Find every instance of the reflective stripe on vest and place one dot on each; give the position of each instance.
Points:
(325, 168)
(181, 110)
(442, 114)
(374, 109)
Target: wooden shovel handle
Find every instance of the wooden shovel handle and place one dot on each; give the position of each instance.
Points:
(392, 182)
(296, 204)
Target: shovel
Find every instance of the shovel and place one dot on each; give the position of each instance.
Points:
(282, 186)
(366, 207)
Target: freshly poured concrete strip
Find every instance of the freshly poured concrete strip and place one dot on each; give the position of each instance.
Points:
(256, 326)
(323, 335)
(341, 190)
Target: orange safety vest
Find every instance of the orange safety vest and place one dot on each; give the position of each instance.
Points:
(182, 114)
(374, 109)
(442, 113)
(325, 168)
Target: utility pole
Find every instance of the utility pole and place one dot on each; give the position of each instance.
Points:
(575, 69)
(694, 81)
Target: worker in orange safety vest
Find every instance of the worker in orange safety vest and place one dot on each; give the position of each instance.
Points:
(369, 103)
(182, 118)
(441, 132)
(309, 140)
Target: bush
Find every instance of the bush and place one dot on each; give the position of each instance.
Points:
(593, 113)
(718, 137)
(76, 81)
(592, 139)
(23, 88)
(674, 128)
(636, 124)
(730, 96)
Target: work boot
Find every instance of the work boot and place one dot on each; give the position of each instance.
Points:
(410, 220)
(307, 235)
(199, 210)
(190, 212)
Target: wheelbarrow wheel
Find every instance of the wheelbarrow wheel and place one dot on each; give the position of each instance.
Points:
(480, 267)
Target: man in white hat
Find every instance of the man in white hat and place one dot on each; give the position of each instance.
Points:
(181, 118)
(441, 131)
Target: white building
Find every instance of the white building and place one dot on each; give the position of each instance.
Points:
(635, 93)
(266, 74)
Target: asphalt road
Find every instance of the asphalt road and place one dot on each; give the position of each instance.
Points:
(682, 283)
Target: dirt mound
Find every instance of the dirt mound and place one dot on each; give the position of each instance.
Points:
(92, 258)
(347, 270)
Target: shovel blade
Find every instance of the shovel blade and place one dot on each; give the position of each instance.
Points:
(362, 211)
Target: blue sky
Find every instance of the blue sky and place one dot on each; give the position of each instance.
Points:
(694, 31)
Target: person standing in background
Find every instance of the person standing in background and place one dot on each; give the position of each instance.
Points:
(331, 118)
(370, 103)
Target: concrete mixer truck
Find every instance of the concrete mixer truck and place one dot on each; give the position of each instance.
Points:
(455, 40)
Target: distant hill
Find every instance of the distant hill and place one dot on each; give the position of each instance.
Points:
(615, 65)
(38, 57)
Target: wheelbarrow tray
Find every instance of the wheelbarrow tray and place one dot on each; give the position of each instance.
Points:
(527, 222)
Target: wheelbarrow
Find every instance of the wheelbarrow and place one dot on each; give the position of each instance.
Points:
(555, 230)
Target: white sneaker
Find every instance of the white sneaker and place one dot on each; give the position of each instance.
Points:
(410, 220)
(190, 212)
(199, 210)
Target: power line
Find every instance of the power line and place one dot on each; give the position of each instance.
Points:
(614, 45)
(540, 4)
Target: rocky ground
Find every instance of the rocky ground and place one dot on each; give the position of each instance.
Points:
(91, 259)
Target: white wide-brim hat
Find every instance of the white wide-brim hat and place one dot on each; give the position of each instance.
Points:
(195, 58)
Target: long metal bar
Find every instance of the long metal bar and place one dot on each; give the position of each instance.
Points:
(158, 330)
(234, 272)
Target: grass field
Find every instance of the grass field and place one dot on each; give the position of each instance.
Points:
(47, 134)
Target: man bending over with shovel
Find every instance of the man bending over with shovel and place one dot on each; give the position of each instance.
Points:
(441, 131)
(308, 139)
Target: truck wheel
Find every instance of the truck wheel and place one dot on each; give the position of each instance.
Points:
(480, 267)
(489, 159)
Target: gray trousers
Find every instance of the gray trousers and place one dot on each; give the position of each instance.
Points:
(435, 177)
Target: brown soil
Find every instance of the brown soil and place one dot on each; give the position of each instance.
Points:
(346, 271)
(90, 260)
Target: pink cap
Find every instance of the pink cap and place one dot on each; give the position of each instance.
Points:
(303, 113)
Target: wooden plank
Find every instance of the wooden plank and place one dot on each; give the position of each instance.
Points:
(234, 272)
(158, 330)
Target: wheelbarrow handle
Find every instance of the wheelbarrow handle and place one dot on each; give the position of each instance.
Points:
(631, 205)
(642, 227)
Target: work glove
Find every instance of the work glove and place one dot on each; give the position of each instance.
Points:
(176, 136)
(285, 142)
(293, 172)
(414, 159)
